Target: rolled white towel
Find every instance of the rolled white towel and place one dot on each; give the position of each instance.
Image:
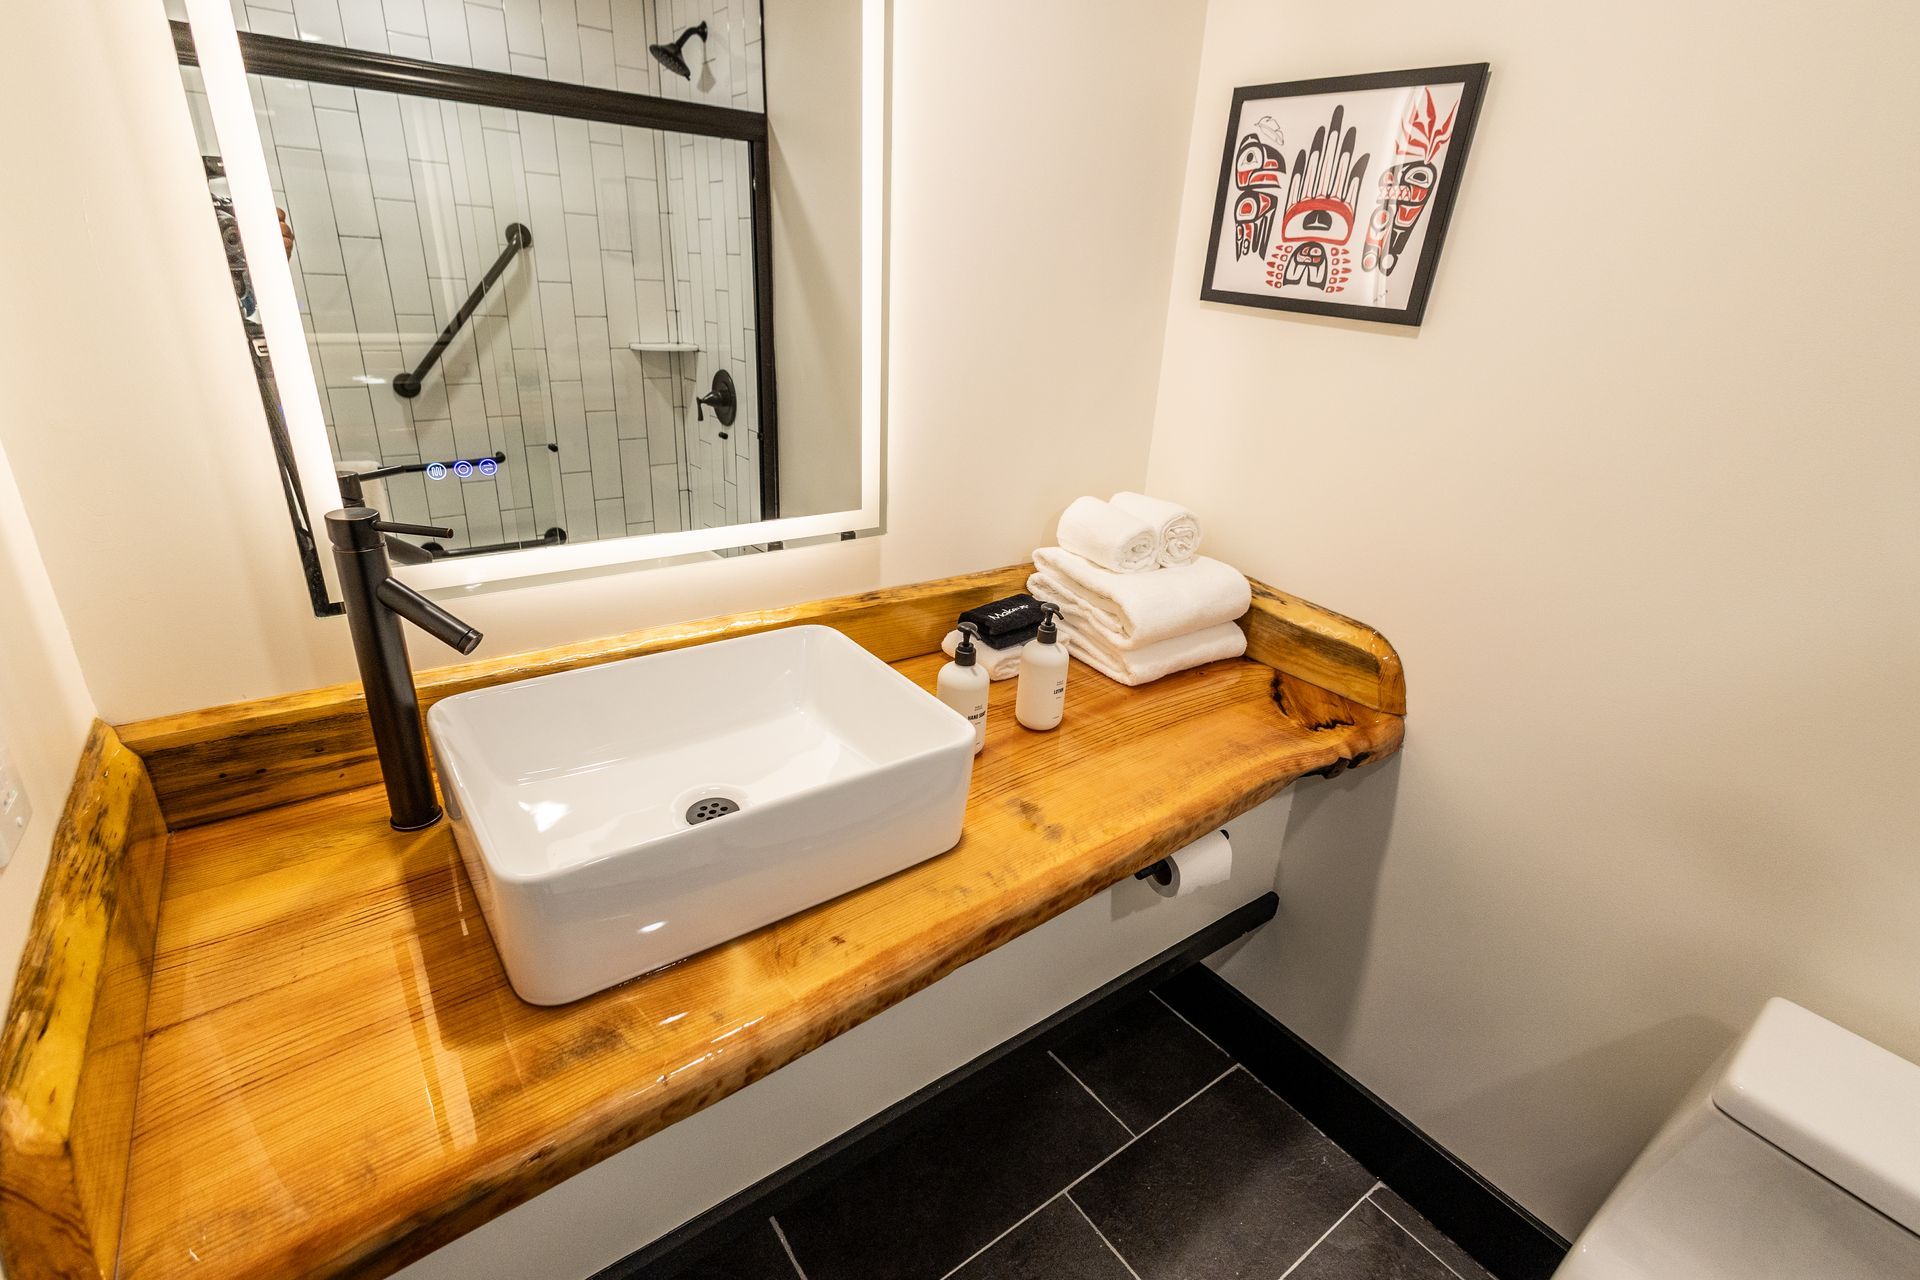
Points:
(1133, 610)
(999, 664)
(1163, 658)
(1111, 538)
(1176, 530)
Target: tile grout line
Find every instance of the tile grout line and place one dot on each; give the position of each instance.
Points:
(1088, 1174)
(1150, 1128)
(1416, 1239)
(1329, 1231)
(781, 1236)
(967, 1261)
(1090, 1093)
(1103, 1235)
(1197, 1031)
(1281, 1099)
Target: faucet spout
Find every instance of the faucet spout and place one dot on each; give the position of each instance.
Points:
(376, 602)
(428, 616)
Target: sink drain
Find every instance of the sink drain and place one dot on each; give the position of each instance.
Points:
(710, 808)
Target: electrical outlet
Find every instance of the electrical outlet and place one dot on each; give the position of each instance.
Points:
(15, 809)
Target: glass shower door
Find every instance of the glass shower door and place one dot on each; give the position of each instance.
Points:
(561, 402)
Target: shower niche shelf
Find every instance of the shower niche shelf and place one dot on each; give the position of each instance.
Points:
(663, 346)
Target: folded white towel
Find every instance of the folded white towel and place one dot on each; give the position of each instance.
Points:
(1176, 530)
(1137, 609)
(1111, 538)
(1140, 666)
(999, 664)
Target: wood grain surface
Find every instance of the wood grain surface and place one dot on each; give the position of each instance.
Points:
(70, 1056)
(226, 761)
(338, 1078)
(1324, 648)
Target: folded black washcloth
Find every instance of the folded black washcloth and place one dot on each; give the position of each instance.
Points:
(1011, 640)
(1003, 618)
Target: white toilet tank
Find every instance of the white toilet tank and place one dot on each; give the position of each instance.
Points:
(1800, 1160)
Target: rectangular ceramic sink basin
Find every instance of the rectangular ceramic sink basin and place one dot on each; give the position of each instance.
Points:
(617, 818)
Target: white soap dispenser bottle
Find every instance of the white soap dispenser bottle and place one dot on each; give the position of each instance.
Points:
(1041, 699)
(963, 685)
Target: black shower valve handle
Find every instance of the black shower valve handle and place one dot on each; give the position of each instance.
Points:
(700, 404)
(723, 399)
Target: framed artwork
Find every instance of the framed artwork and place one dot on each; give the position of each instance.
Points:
(1335, 194)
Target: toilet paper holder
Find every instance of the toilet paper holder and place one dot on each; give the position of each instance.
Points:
(1161, 872)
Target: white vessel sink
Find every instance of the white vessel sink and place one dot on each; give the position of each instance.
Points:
(617, 818)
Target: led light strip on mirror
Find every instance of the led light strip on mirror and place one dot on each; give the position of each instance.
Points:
(234, 124)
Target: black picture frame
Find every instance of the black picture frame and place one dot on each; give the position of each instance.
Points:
(1452, 156)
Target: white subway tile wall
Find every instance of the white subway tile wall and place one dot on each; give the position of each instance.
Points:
(399, 205)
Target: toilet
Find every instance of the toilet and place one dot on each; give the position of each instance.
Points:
(1797, 1159)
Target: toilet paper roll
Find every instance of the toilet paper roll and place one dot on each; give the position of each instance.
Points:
(1208, 860)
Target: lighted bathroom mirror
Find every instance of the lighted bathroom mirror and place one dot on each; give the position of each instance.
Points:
(582, 285)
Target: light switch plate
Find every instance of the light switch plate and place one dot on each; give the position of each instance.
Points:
(15, 809)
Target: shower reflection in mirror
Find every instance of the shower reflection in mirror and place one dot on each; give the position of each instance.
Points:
(518, 316)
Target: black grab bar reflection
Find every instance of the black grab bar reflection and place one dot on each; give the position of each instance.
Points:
(408, 384)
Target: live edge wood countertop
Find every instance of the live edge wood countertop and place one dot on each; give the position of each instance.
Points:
(337, 1078)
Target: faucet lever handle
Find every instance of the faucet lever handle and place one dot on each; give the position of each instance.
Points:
(416, 530)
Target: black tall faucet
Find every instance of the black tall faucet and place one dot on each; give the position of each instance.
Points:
(376, 601)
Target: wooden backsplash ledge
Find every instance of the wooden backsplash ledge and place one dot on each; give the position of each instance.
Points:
(70, 1052)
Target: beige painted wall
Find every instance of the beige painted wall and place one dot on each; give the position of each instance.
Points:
(1637, 507)
(132, 426)
(1024, 345)
(45, 709)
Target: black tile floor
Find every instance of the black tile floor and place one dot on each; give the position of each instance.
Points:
(1134, 1150)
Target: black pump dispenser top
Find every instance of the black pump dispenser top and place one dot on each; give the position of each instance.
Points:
(1049, 633)
(964, 654)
